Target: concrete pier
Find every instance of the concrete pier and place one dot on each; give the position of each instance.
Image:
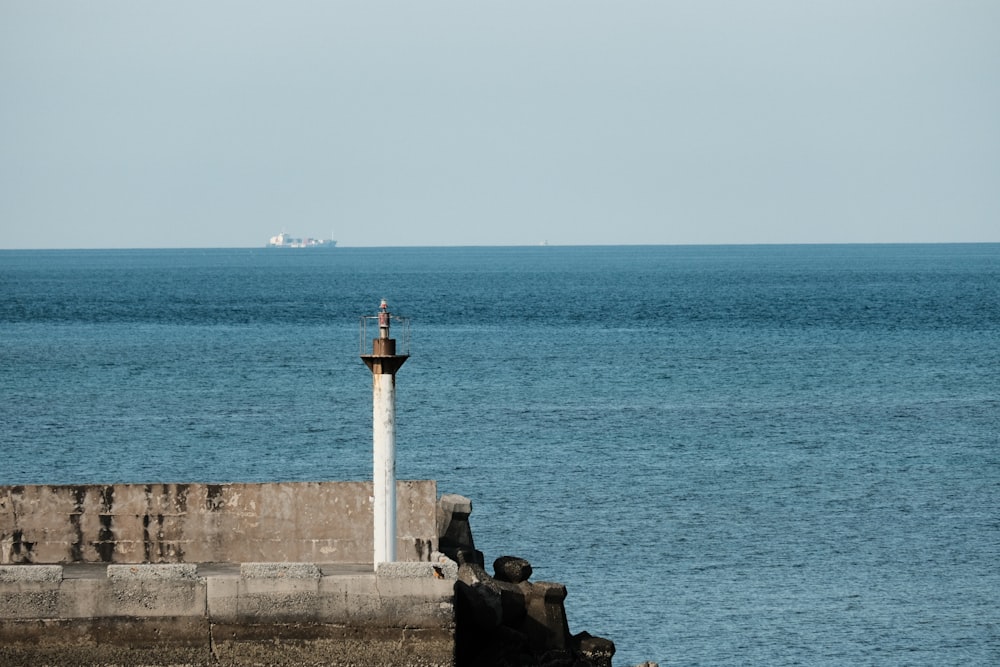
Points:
(103, 576)
(229, 614)
(220, 574)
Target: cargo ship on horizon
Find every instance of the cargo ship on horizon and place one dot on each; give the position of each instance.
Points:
(285, 240)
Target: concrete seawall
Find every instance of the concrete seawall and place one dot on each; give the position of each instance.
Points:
(265, 574)
(204, 523)
(220, 574)
(227, 614)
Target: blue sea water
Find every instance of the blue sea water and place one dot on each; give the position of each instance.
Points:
(731, 455)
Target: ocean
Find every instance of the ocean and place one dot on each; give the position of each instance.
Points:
(731, 455)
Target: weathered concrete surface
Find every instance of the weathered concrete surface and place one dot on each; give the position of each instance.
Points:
(229, 614)
(126, 642)
(204, 523)
(331, 646)
(220, 574)
(103, 641)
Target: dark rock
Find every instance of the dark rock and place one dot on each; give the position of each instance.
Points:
(479, 596)
(513, 600)
(469, 557)
(478, 615)
(473, 573)
(597, 650)
(454, 532)
(557, 658)
(512, 569)
(506, 620)
(545, 622)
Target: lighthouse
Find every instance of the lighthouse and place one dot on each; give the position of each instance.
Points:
(383, 361)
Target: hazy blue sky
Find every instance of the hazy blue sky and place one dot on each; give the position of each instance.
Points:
(174, 124)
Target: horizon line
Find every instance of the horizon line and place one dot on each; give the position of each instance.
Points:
(501, 245)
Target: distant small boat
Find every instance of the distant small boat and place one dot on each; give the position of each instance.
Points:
(284, 240)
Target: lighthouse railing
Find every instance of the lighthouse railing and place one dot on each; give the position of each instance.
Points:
(399, 330)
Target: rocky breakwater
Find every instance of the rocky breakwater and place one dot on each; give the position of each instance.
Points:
(505, 620)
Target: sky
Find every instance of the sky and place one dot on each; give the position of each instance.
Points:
(134, 124)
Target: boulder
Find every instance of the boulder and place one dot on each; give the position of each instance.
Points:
(511, 569)
(597, 650)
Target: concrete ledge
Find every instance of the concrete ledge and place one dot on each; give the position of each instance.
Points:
(13, 574)
(221, 595)
(153, 572)
(279, 592)
(446, 569)
(151, 598)
(279, 571)
(30, 591)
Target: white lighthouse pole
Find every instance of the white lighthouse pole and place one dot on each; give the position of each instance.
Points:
(384, 441)
(383, 363)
